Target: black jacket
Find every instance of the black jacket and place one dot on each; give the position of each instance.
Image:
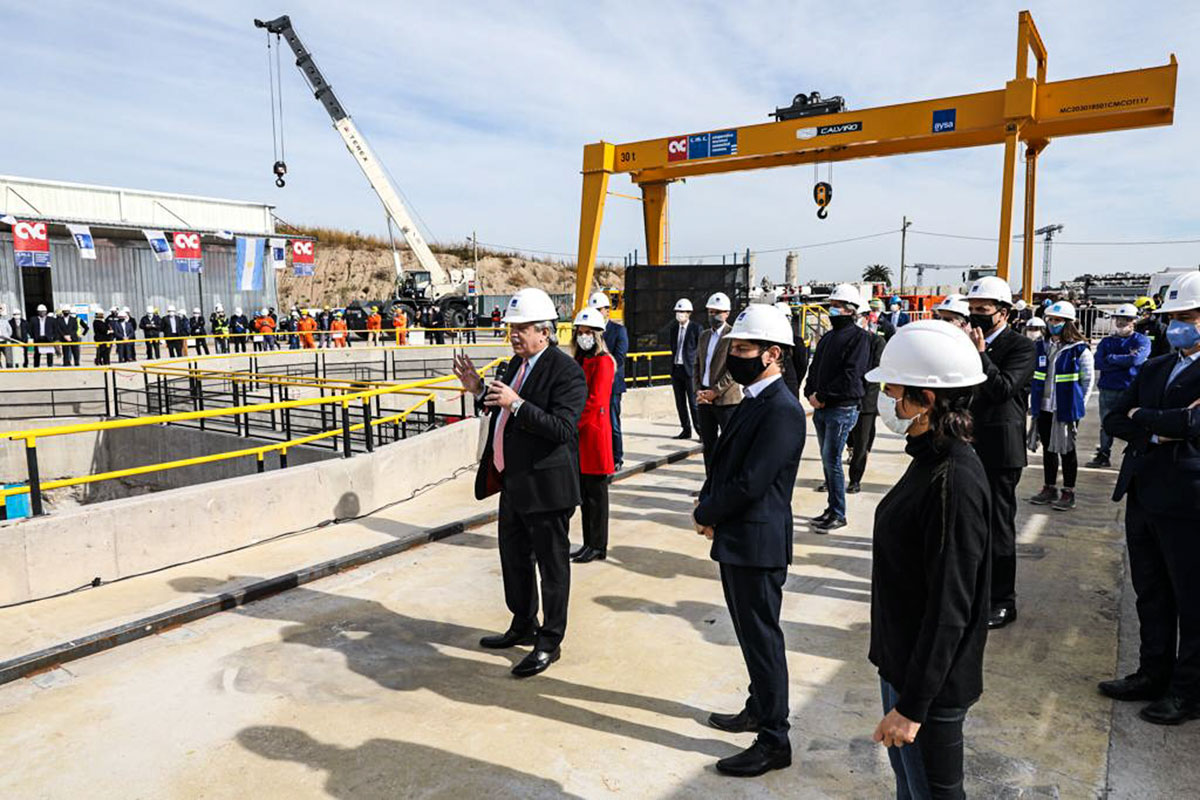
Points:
(870, 400)
(541, 441)
(174, 325)
(930, 578)
(747, 498)
(796, 368)
(616, 339)
(151, 325)
(45, 329)
(101, 332)
(1166, 476)
(72, 328)
(18, 329)
(838, 366)
(691, 340)
(1002, 401)
(196, 326)
(1152, 327)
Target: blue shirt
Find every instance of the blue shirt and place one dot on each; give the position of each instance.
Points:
(1183, 363)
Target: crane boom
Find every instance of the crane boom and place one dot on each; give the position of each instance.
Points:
(356, 143)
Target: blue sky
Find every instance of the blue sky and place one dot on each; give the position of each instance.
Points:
(481, 110)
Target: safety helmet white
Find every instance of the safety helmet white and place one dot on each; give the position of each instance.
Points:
(170, 309)
(1061, 309)
(848, 294)
(1020, 305)
(1126, 310)
(1036, 322)
(683, 304)
(955, 305)
(599, 300)
(590, 318)
(931, 354)
(196, 312)
(785, 308)
(991, 287)
(238, 311)
(263, 311)
(760, 322)
(65, 307)
(41, 307)
(16, 312)
(149, 309)
(718, 301)
(125, 309)
(530, 305)
(1183, 294)
(218, 307)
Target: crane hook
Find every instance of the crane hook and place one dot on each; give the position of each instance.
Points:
(823, 195)
(280, 170)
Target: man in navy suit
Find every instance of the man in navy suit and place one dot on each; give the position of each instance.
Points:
(1159, 416)
(616, 339)
(683, 336)
(745, 508)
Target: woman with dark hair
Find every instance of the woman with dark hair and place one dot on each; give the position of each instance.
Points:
(1064, 363)
(595, 434)
(930, 580)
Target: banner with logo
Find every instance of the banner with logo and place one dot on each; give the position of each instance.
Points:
(304, 258)
(278, 251)
(31, 244)
(82, 235)
(159, 245)
(187, 251)
(250, 263)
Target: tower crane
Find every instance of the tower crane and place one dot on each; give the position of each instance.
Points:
(416, 289)
(1048, 232)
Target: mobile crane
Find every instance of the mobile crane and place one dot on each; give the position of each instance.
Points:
(417, 289)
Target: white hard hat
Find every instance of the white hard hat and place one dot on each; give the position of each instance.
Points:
(683, 304)
(65, 307)
(599, 300)
(219, 307)
(16, 312)
(1126, 310)
(991, 287)
(1020, 305)
(195, 311)
(1036, 322)
(125, 309)
(41, 307)
(760, 322)
(1183, 295)
(784, 307)
(149, 309)
(719, 301)
(590, 318)
(263, 311)
(955, 305)
(931, 354)
(530, 305)
(1062, 309)
(170, 309)
(847, 293)
(238, 311)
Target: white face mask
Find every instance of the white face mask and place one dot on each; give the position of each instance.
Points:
(887, 413)
(681, 316)
(586, 341)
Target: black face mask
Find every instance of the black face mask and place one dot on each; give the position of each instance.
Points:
(841, 321)
(745, 369)
(985, 322)
(716, 321)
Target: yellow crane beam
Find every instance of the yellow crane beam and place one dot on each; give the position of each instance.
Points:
(1027, 110)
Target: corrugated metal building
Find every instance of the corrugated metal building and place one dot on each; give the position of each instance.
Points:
(125, 272)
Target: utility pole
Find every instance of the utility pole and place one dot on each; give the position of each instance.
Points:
(475, 261)
(903, 237)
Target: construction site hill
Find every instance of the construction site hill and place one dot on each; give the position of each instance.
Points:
(354, 266)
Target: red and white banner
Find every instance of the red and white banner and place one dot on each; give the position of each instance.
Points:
(304, 257)
(31, 244)
(186, 245)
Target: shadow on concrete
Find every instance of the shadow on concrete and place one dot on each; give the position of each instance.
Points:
(405, 654)
(380, 769)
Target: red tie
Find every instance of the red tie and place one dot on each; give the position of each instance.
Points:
(498, 439)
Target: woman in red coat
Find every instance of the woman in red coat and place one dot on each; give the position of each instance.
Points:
(595, 434)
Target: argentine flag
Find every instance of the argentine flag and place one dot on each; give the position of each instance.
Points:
(250, 264)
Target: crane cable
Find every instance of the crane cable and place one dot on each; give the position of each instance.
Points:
(275, 84)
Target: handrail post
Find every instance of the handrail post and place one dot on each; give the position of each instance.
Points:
(283, 458)
(431, 405)
(107, 406)
(35, 479)
(200, 400)
(116, 397)
(346, 429)
(366, 410)
(262, 465)
(287, 416)
(164, 394)
(271, 395)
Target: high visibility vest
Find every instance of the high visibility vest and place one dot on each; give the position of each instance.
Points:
(1068, 391)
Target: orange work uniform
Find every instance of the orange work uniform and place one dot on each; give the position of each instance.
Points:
(400, 323)
(338, 332)
(306, 326)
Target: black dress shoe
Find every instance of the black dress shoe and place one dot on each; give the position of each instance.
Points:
(588, 554)
(684, 435)
(758, 759)
(535, 662)
(831, 523)
(510, 638)
(1001, 617)
(854, 487)
(740, 722)
(1171, 710)
(1133, 687)
(583, 548)
(821, 488)
(823, 517)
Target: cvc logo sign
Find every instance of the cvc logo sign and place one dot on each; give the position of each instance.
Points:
(677, 148)
(30, 230)
(302, 248)
(187, 241)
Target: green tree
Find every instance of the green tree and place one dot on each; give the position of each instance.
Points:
(878, 273)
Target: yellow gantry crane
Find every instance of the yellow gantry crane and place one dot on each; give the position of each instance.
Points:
(1028, 111)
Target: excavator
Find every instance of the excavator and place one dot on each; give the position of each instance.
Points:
(416, 289)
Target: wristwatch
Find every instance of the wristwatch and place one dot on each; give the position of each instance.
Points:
(516, 406)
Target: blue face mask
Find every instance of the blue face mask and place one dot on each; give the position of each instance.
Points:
(1056, 329)
(834, 311)
(1182, 335)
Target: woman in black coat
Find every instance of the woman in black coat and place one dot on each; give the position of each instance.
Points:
(930, 577)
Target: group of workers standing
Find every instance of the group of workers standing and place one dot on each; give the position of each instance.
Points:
(972, 391)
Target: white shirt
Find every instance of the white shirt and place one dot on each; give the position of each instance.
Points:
(713, 341)
(755, 389)
(679, 344)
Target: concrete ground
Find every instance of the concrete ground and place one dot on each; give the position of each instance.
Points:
(370, 684)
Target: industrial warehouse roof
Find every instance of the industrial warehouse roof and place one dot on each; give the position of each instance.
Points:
(119, 207)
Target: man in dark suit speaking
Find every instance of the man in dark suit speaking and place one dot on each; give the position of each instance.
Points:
(532, 460)
(745, 507)
(683, 336)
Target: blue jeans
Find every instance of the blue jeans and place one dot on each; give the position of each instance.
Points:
(932, 766)
(833, 427)
(1108, 400)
